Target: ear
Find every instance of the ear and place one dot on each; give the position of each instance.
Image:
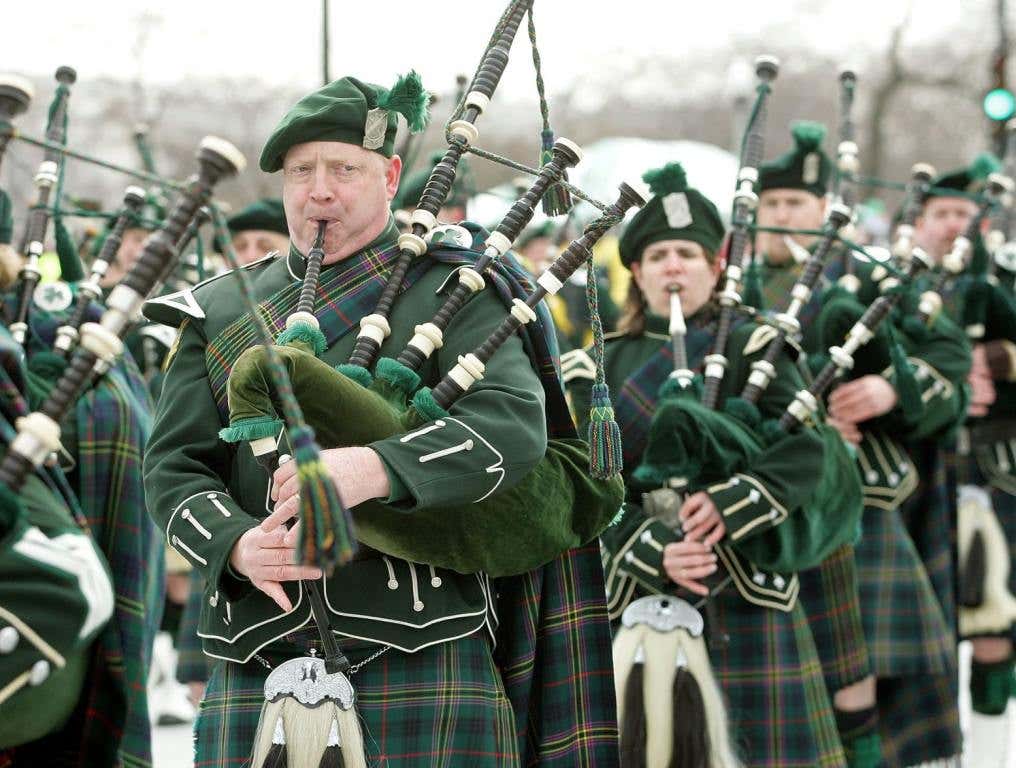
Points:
(393, 172)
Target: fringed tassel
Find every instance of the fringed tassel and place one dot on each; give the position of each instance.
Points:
(357, 373)
(691, 735)
(408, 98)
(399, 376)
(605, 457)
(633, 727)
(71, 270)
(291, 735)
(304, 335)
(326, 527)
(257, 428)
(556, 201)
(973, 572)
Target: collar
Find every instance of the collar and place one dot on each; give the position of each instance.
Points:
(296, 262)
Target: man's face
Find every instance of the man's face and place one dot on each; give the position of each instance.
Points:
(130, 251)
(941, 221)
(792, 209)
(251, 244)
(345, 185)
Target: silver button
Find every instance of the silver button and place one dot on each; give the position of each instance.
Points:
(759, 578)
(871, 476)
(8, 639)
(894, 479)
(214, 600)
(39, 673)
(779, 582)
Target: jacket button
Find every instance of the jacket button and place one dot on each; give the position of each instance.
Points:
(9, 638)
(39, 673)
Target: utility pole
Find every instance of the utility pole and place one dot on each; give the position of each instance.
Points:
(326, 77)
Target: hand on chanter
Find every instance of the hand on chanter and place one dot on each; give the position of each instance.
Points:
(848, 430)
(700, 520)
(685, 562)
(862, 399)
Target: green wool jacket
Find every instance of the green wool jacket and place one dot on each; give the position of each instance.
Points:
(205, 493)
(753, 502)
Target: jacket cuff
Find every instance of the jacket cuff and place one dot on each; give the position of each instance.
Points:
(203, 529)
(641, 556)
(746, 506)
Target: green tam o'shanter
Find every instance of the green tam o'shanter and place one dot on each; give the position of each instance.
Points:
(968, 179)
(675, 212)
(806, 166)
(266, 214)
(350, 111)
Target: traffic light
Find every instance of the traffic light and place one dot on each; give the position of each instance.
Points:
(999, 104)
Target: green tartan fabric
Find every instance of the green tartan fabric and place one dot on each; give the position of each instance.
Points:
(192, 666)
(930, 517)
(918, 720)
(904, 625)
(778, 704)
(442, 706)
(106, 435)
(829, 596)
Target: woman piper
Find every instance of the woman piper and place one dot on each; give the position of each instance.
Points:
(768, 669)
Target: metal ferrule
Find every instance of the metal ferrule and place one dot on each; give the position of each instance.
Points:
(843, 359)
(18, 331)
(34, 249)
(47, 174)
(729, 297)
(66, 336)
(91, 286)
(746, 196)
(747, 175)
(787, 321)
(801, 293)
(890, 283)
(930, 304)
(683, 375)
(125, 301)
(803, 406)
(715, 366)
(762, 372)
(859, 336)
(733, 274)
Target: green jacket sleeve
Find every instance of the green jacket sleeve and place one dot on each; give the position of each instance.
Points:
(494, 433)
(633, 547)
(185, 466)
(783, 476)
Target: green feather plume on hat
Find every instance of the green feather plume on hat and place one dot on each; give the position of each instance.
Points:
(666, 180)
(984, 165)
(408, 98)
(808, 135)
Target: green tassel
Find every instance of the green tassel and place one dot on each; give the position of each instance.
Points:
(669, 178)
(808, 136)
(357, 373)
(304, 335)
(398, 375)
(71, 270)
(556, 201)
(256, 428)
(907, 388)
(408, 98)
(605, 457)
(753, 286)
(426, 406)
(984, 165)
(326, 527)
(10, 509)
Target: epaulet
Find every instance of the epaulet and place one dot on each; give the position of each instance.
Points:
(577, 364)
(173, 308)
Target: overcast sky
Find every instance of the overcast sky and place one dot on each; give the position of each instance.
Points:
(279, 42)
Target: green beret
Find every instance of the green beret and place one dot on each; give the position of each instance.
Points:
(267, 214)
(805, 166)
(411, 187)
(350, 111)
(6, 219)
(965, 180)
(675, 212)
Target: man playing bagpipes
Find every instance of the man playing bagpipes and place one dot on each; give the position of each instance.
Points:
(448, 665)
(792, 190)
(259, 229)
(765, 659)
(984, 458)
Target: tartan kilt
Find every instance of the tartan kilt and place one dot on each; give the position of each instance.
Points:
(904, 625)
(829, 597)
(919, 719)
(442, 706)
(930, 517)
(192, 666)
(780, 712)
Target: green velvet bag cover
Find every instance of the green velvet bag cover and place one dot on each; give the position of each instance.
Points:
(557, 506)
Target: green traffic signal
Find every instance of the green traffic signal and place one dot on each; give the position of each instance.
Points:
(1000, 104)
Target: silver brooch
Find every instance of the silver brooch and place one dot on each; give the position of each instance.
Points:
(53, 297)
(664, 614)
(375, 128)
